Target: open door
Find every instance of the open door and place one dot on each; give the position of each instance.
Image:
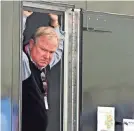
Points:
(56, 87)
(64, 111)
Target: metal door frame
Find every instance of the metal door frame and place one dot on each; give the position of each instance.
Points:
(46, 7)
(73, 72)
(14, 46)
(72, 91)
(70, 59)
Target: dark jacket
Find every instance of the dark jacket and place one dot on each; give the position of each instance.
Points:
(34, 114)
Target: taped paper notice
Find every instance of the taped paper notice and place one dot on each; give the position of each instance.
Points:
(106, 119)
(128, 124)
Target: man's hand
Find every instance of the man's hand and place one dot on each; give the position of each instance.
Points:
(27, 13)
(53, 17)
(54, 20)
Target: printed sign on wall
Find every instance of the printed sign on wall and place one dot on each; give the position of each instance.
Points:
(128, 124)
(106, 119)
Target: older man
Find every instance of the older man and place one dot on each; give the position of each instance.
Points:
(56, 56)
(44, 50)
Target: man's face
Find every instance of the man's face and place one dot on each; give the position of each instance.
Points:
(42, 51)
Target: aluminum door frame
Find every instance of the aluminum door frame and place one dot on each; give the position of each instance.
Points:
(73, 70)
(57, 8)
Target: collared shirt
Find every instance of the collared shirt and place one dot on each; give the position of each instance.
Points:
(56, 56)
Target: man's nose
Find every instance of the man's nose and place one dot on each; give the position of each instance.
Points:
(47, 54)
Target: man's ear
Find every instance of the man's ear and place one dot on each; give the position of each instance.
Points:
(31, 43)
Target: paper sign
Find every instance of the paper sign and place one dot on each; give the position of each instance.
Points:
(128, 124)
(106, 119)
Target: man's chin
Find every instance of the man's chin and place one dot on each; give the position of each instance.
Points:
(43, 65)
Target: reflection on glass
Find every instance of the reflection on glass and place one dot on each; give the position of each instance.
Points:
(5, 114)
(7, 117)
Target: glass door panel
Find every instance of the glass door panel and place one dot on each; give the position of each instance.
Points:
(108, 67)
